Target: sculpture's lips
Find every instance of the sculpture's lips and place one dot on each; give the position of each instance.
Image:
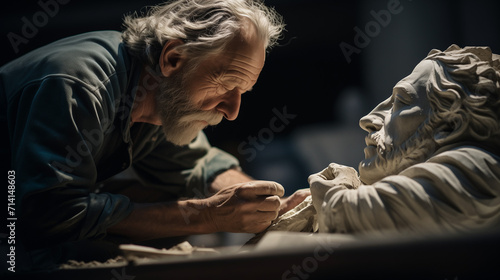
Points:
(370, 151)
(371, 146)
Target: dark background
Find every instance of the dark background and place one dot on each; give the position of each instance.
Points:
(308, 75)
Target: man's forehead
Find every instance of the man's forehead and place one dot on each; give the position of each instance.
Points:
(240, 52)
(247, 45)
(236, 66)
(241, 60)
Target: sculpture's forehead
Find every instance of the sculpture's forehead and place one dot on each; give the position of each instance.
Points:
(420, 74)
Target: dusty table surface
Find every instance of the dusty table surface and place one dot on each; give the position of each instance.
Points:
(286, 255)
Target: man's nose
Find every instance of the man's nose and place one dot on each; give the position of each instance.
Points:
(230, 105)
(374, 121)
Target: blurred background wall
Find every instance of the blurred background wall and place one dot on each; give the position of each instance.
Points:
(337, 60)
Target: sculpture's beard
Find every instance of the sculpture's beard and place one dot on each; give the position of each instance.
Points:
(181, 120)
(391, 160)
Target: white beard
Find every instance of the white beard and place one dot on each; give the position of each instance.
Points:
(181, 120)
(187, 127)
(391, 160)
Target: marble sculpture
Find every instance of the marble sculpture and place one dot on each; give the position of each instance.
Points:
(432, 160)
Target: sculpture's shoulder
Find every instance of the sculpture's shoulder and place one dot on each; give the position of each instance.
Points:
(473, 162)
(459, 161)
(466, 153)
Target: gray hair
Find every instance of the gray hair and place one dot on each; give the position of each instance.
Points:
(464, 93)
(205, 26)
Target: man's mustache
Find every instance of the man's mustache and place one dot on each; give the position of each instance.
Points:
(211, 117)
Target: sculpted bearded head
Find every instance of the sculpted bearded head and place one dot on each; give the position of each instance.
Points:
(451, 98)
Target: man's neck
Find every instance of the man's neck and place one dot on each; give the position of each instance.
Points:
(144, 109)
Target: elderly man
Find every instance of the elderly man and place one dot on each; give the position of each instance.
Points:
(85, 108)
(432, 161)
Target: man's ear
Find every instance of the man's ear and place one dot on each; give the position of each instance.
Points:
(171, 59)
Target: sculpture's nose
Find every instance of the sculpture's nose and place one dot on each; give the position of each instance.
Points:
(374, 121)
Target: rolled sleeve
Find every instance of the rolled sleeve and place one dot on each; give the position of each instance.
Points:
(206, 169)
(104, 211)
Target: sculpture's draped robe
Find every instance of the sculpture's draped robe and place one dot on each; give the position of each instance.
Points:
(454, 191)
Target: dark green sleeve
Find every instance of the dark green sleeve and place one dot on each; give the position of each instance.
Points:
(47, 121)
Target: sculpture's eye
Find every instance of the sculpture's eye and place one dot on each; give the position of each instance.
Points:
(401, 99)
(398, 103)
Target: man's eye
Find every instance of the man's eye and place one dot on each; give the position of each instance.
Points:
(229, 88)
(225, 89)
(221, 90)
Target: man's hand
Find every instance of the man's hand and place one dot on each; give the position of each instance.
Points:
(248, 206)
(288, 203)
(245, 207)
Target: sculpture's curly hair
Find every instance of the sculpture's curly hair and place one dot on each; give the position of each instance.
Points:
(206, 26)
(464, 93)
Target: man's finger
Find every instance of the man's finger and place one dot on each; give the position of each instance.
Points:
(294, 200)
(266, 216)
(254, 189)
(261, 203)
(270, 203)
